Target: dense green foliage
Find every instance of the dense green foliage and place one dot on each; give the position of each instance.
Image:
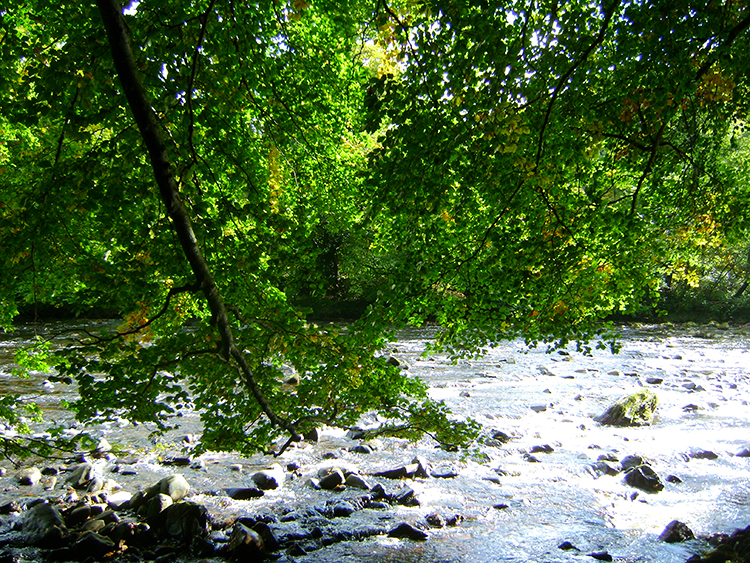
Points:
(503, 168)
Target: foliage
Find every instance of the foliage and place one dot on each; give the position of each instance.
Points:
(504, 169)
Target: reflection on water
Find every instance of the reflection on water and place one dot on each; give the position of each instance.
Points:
(538, 400)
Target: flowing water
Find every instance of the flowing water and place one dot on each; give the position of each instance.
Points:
(518, 508)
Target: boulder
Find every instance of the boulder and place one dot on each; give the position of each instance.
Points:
(43, 526)
(634, 410)
(243, 493)
(175, 486)
(644, 478)
(407, 531)
(91, 545)
(245, 544)
(29, 476)
(331, 479)
(269, 479)
(185, 521)
(82, 476)
(404, 472)
(675, 532)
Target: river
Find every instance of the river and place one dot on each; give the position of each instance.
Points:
(518, 506)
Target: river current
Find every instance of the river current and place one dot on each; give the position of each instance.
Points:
(518, 505)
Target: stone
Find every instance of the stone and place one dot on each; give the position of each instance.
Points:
(544, 449)
(80, 476)
(243, 493)
(676, 532)
(175, 486)
(357, 482)
(29, 476)
(634, 410)
(342, 509)
(601, 556)
(699, 453)
(538, 408)
(185, 521)
(644, 478)
(155, 507)
(567, 546)
(444, 472)
(435, 520)
(119, 500)
(332, 479)
(404, 472)
(245, 544)
(405, 497)
(743, 452)
(91, 545)
(43, 526)
(407, 531)
(360, 449)
(269, 479)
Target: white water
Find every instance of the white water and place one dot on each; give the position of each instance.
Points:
(559, 498)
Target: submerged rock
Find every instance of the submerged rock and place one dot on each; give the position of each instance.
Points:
(634, 410)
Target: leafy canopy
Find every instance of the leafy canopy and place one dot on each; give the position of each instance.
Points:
(205, 168)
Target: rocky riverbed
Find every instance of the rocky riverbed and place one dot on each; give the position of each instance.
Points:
(546, 482)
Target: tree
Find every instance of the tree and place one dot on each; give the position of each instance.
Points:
(509, 169)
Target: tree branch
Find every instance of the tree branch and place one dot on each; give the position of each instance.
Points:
(145, 117)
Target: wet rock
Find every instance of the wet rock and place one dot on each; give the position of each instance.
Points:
(342, 509)
(634, 410)
(601, 556)
(545, 449)
(538, 408)
(407, 531)
(85, 476)
(435, 520)
(444, 472)
(185, 521)
(743, 452)
(644, 478)
(604, 468)
(675, 532)
(702, 454)
(311, 435)
(405, 497)
(10, 507)
(29, 476)
(673, 479)
(269, 479)
(360, 449)
(43, 525)
(154, 508)
(332, 479)
(243, 493)
(174, 486)
(404, 472)
(567, 546)
(92, 545)
(734, 548)
(357, 482)
(654, 380)
(501, 437)
(245, 544)
(119, 500)
(391, 361)
(77, 516)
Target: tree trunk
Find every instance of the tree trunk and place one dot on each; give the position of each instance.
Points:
(148, 125)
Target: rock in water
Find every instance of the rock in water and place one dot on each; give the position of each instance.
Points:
(644, 478)
(268, 479)
(634, 410)
(245, 544)
(675, 532)
(43, 525)
(407, 531)
(29, 476)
